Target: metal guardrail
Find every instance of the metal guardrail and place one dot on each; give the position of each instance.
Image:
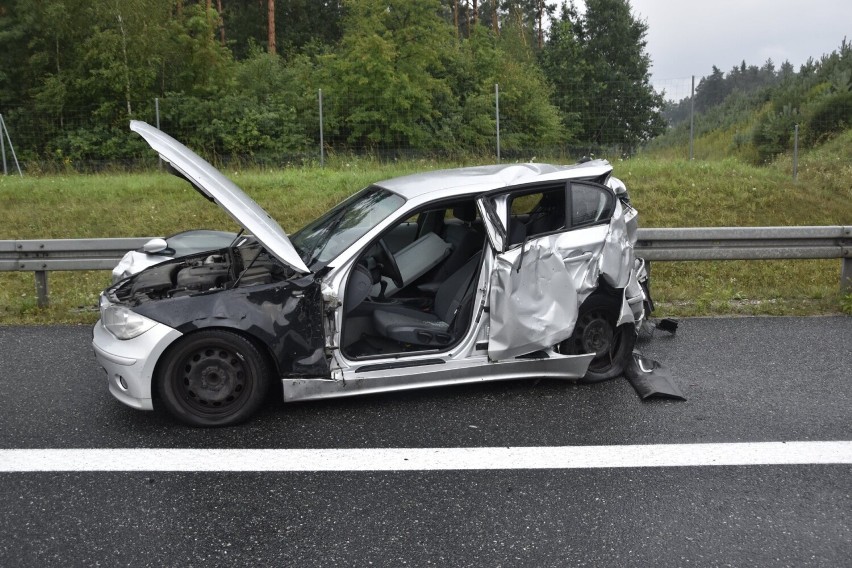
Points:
(745, 243)
(705, 243)
(41, 256)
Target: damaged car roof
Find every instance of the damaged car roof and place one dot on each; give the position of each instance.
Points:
(460, 181)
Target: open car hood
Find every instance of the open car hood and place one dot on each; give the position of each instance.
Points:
(210, 182)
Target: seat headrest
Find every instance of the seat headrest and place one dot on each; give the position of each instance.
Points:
(465, 212)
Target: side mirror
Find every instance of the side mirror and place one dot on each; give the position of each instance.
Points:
(155, 245)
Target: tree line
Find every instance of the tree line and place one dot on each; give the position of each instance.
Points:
(761, 106)
(241, 77)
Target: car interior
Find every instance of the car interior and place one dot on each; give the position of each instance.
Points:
(407, 290)
(413, 289)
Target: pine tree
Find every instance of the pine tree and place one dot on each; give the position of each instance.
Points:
(625, 110)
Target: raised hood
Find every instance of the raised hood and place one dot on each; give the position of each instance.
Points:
(217, 188)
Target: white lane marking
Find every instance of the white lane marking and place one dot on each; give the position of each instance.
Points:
(427, 459)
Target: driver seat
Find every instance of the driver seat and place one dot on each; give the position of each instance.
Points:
(409, 325)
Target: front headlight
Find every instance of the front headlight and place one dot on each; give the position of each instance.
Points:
(122, 322)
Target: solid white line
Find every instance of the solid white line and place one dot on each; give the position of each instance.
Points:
(427, 459)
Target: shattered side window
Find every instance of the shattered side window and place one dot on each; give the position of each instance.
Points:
(590, 205)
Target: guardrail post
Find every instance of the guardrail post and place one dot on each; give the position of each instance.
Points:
(41, 288)
(846, 262)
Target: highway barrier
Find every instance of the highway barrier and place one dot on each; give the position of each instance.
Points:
(671, 244)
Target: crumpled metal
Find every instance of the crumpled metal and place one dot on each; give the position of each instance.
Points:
(616, 261)
(524, 314)
(536, 289)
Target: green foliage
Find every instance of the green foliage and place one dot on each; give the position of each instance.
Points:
(773, 132)
(397, 76)
(751, 113)
(599, 68)
(625, 109)
(846, 304)
(528, 120)
(562, 62)
(829, 116)
(385, 72)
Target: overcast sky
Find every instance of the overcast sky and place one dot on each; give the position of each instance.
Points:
(688, 37)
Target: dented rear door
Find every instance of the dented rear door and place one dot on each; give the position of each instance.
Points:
(553, 243)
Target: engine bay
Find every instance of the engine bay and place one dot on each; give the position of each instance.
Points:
(202, 273)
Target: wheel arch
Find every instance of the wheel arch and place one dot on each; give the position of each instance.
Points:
(259, 344)
(621, 338)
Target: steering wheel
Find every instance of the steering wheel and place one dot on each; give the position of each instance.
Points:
(390, 268)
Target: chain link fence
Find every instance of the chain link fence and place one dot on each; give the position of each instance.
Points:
(325, 124)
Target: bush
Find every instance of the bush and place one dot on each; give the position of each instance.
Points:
(831, 115)
(772, 134)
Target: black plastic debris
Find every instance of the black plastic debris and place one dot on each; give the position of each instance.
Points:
(668, 325)
(650, 379)
(646, 333)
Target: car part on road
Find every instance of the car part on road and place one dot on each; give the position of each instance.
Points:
(650, 379)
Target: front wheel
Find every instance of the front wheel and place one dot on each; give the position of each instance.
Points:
(213, 378)
(596, 332)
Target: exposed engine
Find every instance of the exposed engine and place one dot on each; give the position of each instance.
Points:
(203, 273)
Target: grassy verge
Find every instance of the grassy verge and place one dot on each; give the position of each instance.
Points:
(667, 193)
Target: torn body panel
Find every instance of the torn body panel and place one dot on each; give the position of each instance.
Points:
(285, 315)
(537, 288)
(526, 314)
(435, 372)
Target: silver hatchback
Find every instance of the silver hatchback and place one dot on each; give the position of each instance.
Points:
(445, 277)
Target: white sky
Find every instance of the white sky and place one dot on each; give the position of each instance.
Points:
(688, 37)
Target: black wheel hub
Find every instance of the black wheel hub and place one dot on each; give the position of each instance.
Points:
(597, 336)
(212, 378)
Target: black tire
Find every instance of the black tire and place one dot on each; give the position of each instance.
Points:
(213, 378)
(595, 332)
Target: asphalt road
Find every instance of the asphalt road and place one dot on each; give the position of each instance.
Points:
(747, 380)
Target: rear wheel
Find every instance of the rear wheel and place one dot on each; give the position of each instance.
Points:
(596, 332)
(213, 378)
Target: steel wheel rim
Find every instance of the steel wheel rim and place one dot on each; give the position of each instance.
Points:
(213, 380)
(597, 335)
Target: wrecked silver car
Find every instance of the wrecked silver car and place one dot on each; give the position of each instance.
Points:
(453, 276)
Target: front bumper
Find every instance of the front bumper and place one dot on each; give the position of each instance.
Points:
(129, 364)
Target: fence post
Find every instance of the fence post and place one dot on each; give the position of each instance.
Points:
(157, 118)
(796, 153)
(3, 147)
(12, 148)
(692, 121)
(497, 114)
(322, 141)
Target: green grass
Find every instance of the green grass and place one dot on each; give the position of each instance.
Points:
(668, 193)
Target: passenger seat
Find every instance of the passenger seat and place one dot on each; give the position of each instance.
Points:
(408, 325)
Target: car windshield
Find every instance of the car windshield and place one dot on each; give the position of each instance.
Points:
(328, 236)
